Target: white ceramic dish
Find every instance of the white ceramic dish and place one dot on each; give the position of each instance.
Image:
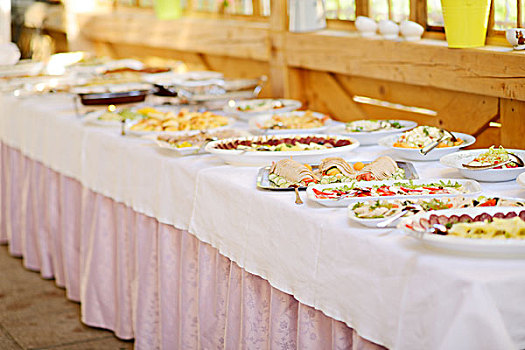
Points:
(261, 119)
(455, 160)
(175, 133)
(93, 119)
(508, 248)
(263, 158)
(374, 222)
(435, 154)
(22, 68)
(521, 180)
(473, 188)
(262, 106)
(372, 137)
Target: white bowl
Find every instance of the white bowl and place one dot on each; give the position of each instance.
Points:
(388, 29)
(239, 157)
(455, 160)
(411, 31)
(435, 154)
(366, 26)
(261, 119)
(516, 37)
(521, 180)
(372, 137)
(288, 106)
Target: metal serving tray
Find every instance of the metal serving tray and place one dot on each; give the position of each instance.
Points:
(264, 183)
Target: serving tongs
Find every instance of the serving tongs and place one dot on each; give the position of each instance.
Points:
(517, 160)
(412, 208)
(446, 134)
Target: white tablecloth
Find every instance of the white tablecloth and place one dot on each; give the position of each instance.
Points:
(380, 282)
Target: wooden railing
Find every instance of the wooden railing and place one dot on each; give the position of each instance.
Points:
(479, 91)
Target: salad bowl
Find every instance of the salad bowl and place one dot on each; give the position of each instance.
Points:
(458, 159)
(413, 153)
(247, 109)
(368, 132)
(275, 124)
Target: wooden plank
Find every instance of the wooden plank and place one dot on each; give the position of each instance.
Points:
(334, 94)
(361, 8)
(321, 92)
(418, 12)
(512, 123)
(455, 110)
(426, 63)
(218, 37)
(278, 65)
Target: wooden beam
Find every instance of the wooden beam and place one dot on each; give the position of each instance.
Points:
(211, 36)
(492, 72)
(322, 92)
(418, 12)
(278, 65)
(361, 8)
(512, 123)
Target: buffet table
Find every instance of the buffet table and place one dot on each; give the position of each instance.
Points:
(186, 252)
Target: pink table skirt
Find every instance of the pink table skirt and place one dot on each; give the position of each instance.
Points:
(147, 280)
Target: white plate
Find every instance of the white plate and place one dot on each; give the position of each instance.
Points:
(182, 151)
(435, 154)
(496, 248)
(374, 222)
(261, 119)
(170, 78)
(366, 222)
(455, 160)
(473, 188)
(521, 179)
(263, 158)
(23, 68)
(92, 118)
(372, 137)
(264, 104)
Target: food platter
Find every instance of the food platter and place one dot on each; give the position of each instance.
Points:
(103, 118)
(244, 157)
(455, 160)
(112, 94)
(264, 183)
(468, 188)
(272, 124)
(435, 154)
(247, 109)
(506, 248)
(179, 122)
(383, 210)
(197, 141)
(372, 137)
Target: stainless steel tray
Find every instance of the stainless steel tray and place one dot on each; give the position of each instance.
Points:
(264, 183)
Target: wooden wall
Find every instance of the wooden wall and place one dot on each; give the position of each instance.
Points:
(339, 73)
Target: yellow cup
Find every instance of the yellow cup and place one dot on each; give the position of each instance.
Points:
(168, 9)
(465, 22)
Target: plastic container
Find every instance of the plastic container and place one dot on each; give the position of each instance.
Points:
(168, 9)
(465, 22)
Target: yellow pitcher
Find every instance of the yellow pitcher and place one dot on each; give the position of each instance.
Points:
(465, 22)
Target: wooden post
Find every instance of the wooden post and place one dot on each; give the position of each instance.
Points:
(512, 123)
(418, 12)
(361, 8)
(278, 65)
